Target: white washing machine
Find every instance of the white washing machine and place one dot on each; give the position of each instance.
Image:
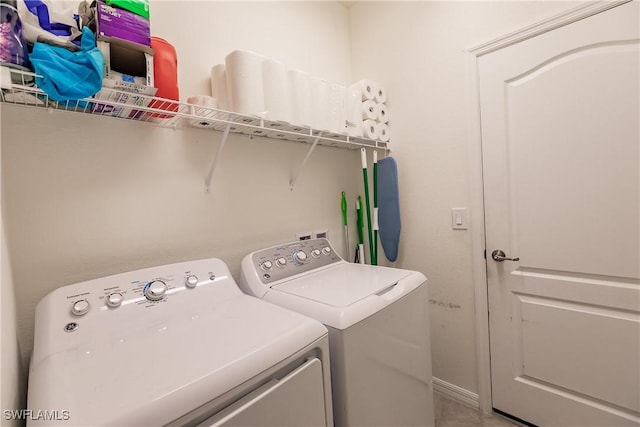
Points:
(378, 328)
(175, 345)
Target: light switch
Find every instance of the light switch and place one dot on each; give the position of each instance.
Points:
(459, 218)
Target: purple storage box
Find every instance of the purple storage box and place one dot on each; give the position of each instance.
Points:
(122, 24)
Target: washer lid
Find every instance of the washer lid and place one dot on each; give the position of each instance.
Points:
(344, 284)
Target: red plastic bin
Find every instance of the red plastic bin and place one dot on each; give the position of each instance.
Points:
(165, 70)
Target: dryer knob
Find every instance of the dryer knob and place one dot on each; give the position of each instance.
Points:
(315, 253)
(80, 308)
(267, 265)
(155, 290)
(281, 262)
(326, 250)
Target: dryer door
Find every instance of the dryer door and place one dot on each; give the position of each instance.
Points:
(295, 400)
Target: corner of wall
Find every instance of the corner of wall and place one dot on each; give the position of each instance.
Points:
(12, 373)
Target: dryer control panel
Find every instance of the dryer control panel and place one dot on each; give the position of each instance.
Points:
(280, 262)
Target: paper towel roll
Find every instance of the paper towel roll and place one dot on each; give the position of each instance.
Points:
(366, 88)
(370, 129)
(320, 104)
(369, 111)
(353, 112)
(244, 82)
(275, 85)
(219, 86)
(380, 94)
(300, 91)
(382, 113)
(336, 108)
(383, 132)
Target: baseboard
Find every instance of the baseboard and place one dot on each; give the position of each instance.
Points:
(456, 393)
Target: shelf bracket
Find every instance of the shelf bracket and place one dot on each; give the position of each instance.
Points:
(216, 159)
(293, 180)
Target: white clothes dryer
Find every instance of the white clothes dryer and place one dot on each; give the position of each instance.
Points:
(178, 344)
(378, 328)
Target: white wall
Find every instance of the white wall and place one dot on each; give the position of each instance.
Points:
(417, 49)
(12, 376)
(90, 196)
(312, 36)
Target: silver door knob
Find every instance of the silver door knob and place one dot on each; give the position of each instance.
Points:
(500, 256)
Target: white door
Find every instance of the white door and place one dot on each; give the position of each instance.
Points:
(560, 140)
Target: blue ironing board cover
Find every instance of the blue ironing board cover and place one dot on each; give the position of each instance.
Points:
(388, 207)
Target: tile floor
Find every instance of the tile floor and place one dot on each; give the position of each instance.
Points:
(451, 413)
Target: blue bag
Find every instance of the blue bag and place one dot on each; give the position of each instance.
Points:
(66, 75)
(13, 49)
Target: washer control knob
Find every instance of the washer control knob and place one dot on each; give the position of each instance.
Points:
(281, 262)
(115, 299)
(300, 256)
(315, 253)
(80, 308)
(267, 265)
(191, 281)
(155, 290)
(326, 250)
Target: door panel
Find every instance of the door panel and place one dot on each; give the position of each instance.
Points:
(585, 336)
(560, 140)
(569, 175)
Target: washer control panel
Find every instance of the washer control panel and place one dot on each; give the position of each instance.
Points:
(280, 262)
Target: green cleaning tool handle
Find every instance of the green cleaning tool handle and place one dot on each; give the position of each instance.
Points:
(344, 208)
(359, 220)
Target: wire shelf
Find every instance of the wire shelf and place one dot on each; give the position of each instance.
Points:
(18, 87)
